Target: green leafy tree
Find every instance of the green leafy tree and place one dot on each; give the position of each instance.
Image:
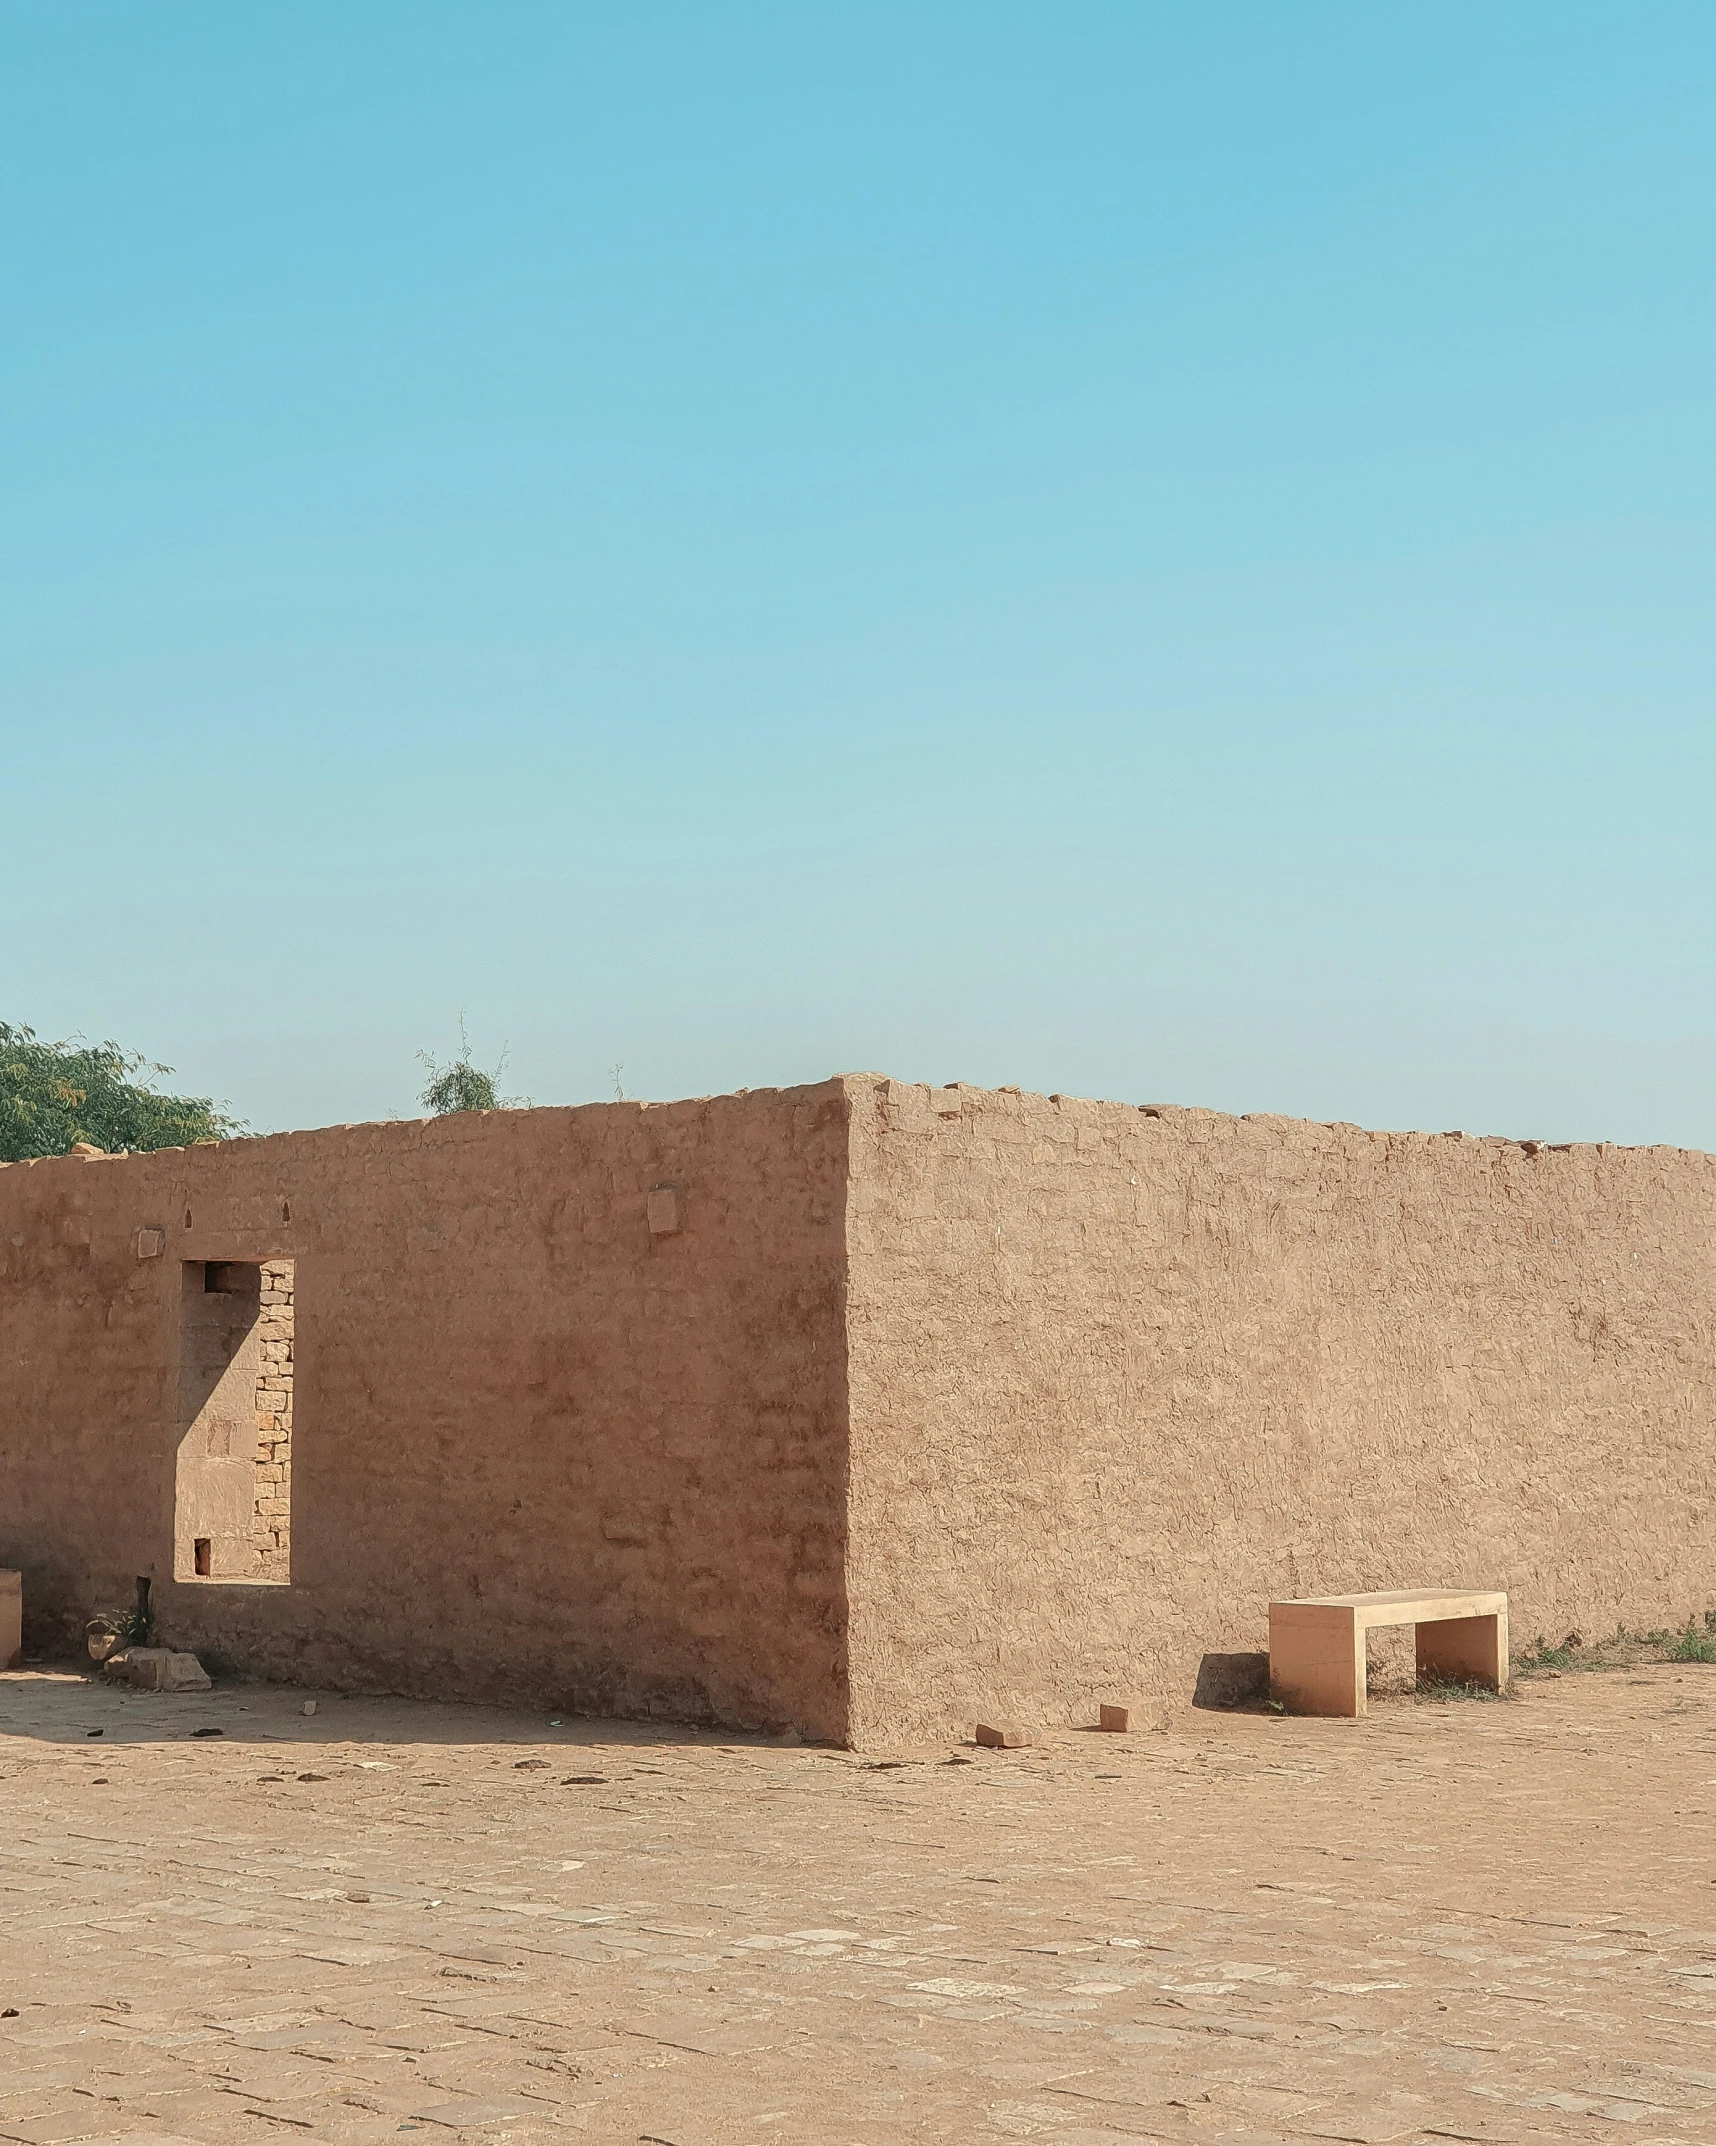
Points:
(53, 1095)
(462, 1085)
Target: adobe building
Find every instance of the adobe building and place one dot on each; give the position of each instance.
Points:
(865, 1408)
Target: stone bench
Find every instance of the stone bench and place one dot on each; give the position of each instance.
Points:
(1317, 1652)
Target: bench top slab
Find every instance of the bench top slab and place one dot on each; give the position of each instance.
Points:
(1407, 1605)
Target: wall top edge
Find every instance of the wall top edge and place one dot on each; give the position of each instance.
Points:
(955, 1099)
(459, 1127)
(923, 1099)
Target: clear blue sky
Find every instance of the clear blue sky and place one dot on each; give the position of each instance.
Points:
(1155, 551)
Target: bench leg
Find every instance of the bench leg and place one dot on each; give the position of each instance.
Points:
(1465, 1650)
(1316, 1659)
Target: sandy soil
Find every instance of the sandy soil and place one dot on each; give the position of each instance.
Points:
(1468, 1921)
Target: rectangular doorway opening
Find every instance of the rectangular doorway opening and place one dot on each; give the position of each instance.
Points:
(233, 1502)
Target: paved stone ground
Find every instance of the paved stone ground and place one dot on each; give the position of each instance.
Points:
(1459, 1922)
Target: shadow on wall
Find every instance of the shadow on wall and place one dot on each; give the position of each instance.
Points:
(233, 1517)
(1231, 1679)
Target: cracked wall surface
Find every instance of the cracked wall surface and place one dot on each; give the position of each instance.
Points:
(563, 1409)
(1120, 1375)
(864, 1408)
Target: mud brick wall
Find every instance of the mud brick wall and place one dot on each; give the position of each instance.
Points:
(272, 1534)
(1118, 1376)
(868, 1408)
(539, 1449)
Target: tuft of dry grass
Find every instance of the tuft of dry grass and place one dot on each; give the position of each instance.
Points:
(1695, 1641)
(1439, 1690)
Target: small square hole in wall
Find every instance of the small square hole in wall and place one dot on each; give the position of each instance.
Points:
(202, 1548)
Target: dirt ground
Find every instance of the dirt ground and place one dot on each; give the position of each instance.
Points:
(1461, 1921)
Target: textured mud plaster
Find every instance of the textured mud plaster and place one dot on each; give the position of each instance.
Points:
(538, 1450)
(873, 1409)
(1117, 1377)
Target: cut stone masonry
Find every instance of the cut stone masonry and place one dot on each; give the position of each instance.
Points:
(272, 1534)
